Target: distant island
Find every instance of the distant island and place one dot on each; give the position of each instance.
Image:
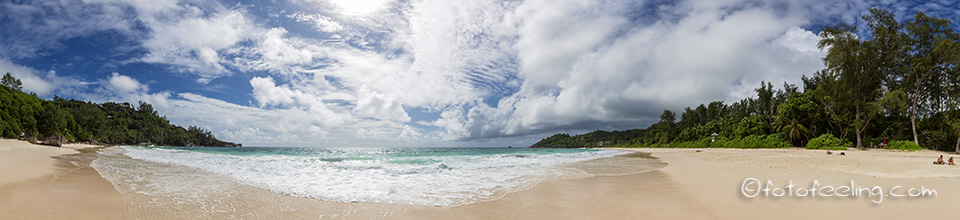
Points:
(60, 121)
(896, 88)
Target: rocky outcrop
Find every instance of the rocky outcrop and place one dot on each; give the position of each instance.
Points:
(32, 140)
(228, 144)
(55, 140)
(221, 144)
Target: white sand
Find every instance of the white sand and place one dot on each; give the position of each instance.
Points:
(695, 185)
(21, 160)
(714, 178)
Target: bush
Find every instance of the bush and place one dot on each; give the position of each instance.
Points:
(776, 141)
(826, 142)
(904, 146)
(753, 141)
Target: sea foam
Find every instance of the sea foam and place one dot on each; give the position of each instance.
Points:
(427, 177)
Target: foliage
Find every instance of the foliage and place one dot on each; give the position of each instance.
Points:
(11, 82)
(108, 123)
(899, 82)
(903, 146)
(826, 142)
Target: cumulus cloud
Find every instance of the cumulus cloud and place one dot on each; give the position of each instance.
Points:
(349, 72)
(122, 84)
(583, 63)
(42, 84)
(378, 105)
(196, 44)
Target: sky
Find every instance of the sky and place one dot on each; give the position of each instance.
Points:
(418, 73)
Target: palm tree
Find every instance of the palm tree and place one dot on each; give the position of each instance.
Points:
(794, 129)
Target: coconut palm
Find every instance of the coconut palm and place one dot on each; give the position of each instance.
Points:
(794, 129)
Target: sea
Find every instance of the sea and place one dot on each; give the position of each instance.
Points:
(445, 177)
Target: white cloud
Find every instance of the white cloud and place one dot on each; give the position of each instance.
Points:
(121, 84)
(584, 63)
(378, 105)
(360, 7)
(489, 68)
(570, 64)
(196, 45)
(31, 26)
(42, 84)
(320, 22)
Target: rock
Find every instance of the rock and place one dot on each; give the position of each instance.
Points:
(228, 144)
(32, 140)
(55, 140)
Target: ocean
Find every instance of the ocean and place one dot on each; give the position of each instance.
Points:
(445, 177)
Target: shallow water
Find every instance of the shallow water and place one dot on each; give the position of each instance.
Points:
(410, 176)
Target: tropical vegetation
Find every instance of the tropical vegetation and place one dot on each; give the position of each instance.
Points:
(897, 83)
(25, 115)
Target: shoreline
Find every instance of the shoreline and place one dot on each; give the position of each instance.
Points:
(690, 184)
(49, 182)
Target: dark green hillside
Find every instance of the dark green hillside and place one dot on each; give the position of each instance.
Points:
(27, 116)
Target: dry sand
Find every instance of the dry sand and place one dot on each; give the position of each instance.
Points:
(702, 185)
(22, 161)
(36, 185)
(714, 178)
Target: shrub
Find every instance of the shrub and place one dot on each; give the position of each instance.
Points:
(904, 146)
(753, 141)
(826, 142)
(776, 141)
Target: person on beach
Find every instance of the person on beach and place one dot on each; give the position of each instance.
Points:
(950, 161)
(939, 161)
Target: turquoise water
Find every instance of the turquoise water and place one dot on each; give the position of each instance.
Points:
(374, 153)
(413, 176)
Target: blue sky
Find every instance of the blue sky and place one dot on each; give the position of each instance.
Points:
(419, 72)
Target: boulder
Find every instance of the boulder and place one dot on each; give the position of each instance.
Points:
(32, 140)
(55, 140)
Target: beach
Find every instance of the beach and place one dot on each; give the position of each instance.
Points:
(42, 182)
(46, 182)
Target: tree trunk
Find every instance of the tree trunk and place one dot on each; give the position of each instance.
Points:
(916, 98)
(957, 147)
(859, 130)
(913, 125)
(913, 112)
(859, 143)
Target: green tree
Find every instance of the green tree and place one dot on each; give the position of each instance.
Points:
(795, 114)
(765, 101)
(954, 123)
(11, 82)
(854, 63)
(667, 126)
(933, 43)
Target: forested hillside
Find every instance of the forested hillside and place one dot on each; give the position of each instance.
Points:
(898, 87)
(26, 115)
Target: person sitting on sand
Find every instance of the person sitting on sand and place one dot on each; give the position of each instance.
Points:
(939, 161)
(950, 162)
